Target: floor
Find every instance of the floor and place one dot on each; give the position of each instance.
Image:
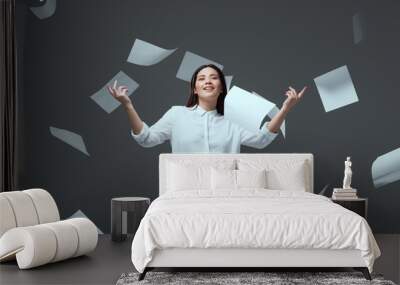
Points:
(110, 260)
(103, 266)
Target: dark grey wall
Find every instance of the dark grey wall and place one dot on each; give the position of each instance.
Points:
(266, 45)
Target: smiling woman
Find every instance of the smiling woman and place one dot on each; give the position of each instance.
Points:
(208, 88)
(200, 126)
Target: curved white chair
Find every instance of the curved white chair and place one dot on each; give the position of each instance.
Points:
(31, 230)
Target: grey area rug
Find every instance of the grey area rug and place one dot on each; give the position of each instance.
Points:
(225, 278)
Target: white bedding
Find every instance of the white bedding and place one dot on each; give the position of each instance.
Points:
(250, 218)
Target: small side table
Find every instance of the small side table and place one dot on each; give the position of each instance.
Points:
(126, 214)
(358, 206)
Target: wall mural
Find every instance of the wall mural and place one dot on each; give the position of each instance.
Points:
(244, 107)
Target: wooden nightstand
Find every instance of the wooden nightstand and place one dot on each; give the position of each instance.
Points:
(358, 206)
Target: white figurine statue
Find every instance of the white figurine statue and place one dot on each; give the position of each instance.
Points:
(347, 174)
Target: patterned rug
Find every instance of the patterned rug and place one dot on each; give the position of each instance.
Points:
(230, 278)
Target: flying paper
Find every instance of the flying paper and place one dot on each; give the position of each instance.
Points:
(144, 53)
(386, 168)
(80, 214)
(359, 28)
(105, 100)
(336, 89)
(228, 81)
(272, 113)
(190, 63)
(324, 190)
(45, 11)
(70, 138)
(246, 109)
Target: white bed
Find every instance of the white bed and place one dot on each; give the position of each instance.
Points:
(203, 220)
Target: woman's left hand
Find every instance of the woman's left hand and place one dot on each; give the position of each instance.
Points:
(292, 98)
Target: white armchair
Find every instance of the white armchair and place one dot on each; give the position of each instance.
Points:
(31, 230)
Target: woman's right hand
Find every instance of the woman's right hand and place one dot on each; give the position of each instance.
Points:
(120, 93)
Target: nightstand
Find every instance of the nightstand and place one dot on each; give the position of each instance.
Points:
(126, 214)
(358, 206)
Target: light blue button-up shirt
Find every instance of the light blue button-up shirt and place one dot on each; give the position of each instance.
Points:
(195, 130)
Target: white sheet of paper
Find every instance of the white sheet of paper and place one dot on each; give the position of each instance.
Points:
(324, 190)
(272, 113)
(190, 63)
(105, 100)
(70, 138)
(246, 109)
(359, 28)
(145, 53)
(45, 11)
(80, 214)
(228, 81)
(336, 89)
(386, 168)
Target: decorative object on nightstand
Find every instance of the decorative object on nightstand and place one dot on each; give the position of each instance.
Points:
(347, 174)
(126, 214)
(346, 192)
(358, 205)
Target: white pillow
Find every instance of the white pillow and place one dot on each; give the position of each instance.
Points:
(237, 179)
(185, 175)
(223, 179)
(251, 178)
(281, 174)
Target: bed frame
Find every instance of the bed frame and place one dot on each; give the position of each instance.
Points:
(248, 257)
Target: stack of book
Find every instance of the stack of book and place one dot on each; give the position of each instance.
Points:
(344, 194)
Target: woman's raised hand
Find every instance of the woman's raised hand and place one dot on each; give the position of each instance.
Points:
(120, 93)
(292, 98)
